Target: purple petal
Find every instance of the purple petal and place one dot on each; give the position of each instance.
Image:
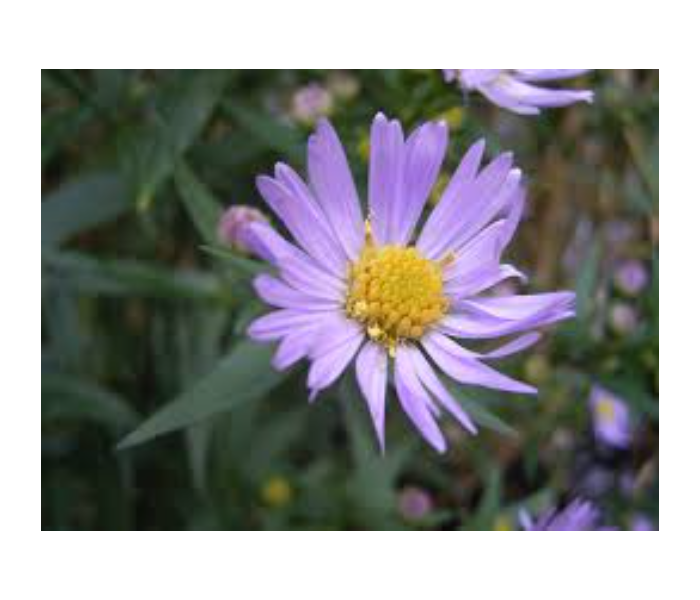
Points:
(386, 165)
(524, 94)
(513, 347)
(371, 371)
(477, 201)
(549, 74)
(280, 323)
(484, 277)
(461, 365)
(332, 181)
(483, 250)
(424, 152)
(279, 294)
(431, 381)
(296, 267)
(327, 368)
(291, 201)
(451, 203)
(483, 318)
(415, 400)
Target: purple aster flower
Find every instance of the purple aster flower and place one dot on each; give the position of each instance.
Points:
(611, 418)
(631, 277)
(579, 515)
(517, 89)
(390, 299)
(233, 226)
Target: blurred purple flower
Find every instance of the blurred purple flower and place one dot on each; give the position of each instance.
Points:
(631, 277)
(233, 226)
(618, 233)
(513, 89)
(579, 515)
(415, 503)
(310, 103)
(623, 318)
(377, 293)
(641, 522)
(611, 418)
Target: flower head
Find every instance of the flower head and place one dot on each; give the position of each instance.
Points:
(276, 492)
(579, 515)
(233, 226)
(611, 418)
(623, 318)
(517, 89)
(310, 103)
(631, 277)
(377, 293)
(414, 503)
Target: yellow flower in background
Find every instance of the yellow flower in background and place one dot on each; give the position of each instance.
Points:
(276, 492)
(503, 523)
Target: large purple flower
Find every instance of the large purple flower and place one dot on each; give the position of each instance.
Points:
(517, 89)
(579, 515)
(377, 292)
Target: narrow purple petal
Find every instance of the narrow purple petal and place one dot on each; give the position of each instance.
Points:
(415, 401)
(371, 370)
(291, 201)
(386, 165)
(279, 323)
(549, 74)
(452, 200)
(425, 150)
(332, 181)
(432, 382)
(483, 318)
(461, 365)
(477, 201)
(327, 368)
(296, 267)
(279, 294)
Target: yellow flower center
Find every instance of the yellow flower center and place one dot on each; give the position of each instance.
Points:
(395, 293)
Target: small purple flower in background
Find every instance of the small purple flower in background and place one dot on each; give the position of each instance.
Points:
(641, 522)
(579, 515)
(233, 226)
(514, 89)
(310, 103)
(611, 418)
(377, 293)
(623, 318)
(343, 85)
(631, 277)
(414, 503)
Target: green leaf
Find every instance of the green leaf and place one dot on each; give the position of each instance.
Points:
(81, 204)
(242, 376)
(200, 203)
(272, 133)
(184, 105)
(67, 398)
(239, 264)
(481, 415)
(586, 283)
(60, 127)
(372, 484)
(116, 277)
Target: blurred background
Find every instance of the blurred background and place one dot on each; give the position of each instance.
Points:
(137, 308)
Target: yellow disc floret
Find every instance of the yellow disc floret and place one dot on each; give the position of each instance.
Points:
(395, 293)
